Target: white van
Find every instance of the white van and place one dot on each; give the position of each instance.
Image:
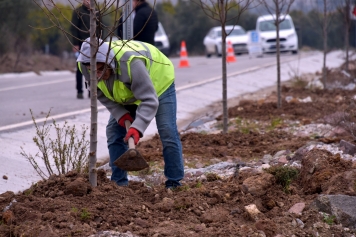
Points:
(267, 32)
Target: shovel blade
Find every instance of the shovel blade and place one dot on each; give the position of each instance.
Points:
(131, 160)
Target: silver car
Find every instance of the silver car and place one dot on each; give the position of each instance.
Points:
(238, 38)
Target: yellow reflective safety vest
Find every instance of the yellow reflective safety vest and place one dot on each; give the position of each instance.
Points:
(159, 67)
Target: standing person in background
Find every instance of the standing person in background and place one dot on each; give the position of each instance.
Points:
(80, 30)
(145, 23)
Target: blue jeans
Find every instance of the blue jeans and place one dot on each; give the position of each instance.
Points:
(166, 117)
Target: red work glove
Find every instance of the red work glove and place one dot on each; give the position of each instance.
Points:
(132, 132)
(124, 118)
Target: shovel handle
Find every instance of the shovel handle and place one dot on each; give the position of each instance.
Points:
(131, 140)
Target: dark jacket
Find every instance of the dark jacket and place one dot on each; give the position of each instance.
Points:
(144, 13)
(81, 19)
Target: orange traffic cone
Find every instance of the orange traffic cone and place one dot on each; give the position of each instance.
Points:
(230, 58)
(183, 56)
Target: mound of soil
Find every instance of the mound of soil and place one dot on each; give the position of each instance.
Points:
(66, 205)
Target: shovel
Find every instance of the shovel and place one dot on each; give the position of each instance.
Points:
(131, 160)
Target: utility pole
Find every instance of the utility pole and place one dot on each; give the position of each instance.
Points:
(127, 25)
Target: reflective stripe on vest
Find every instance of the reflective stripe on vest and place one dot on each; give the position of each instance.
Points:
(159, 67)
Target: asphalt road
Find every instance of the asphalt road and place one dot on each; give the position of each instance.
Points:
(55, 91)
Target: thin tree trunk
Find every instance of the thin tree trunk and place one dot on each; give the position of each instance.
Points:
(224, 74)
(93, 98)
(278, 70)
(347, 16)
(347, 47)
(224, 85)
(279, 104)
(325, 43)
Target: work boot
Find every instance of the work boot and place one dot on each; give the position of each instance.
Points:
(80, 96)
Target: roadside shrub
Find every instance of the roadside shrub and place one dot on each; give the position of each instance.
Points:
(62, 153)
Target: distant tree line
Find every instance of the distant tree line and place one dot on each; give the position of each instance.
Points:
(25, 28)
(310, 32)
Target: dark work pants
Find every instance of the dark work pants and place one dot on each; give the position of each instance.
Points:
(79, 80)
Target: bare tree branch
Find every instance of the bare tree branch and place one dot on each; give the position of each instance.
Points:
(279, 9)
(218, 10)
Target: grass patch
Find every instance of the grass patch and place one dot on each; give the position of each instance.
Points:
(212, 177)
(180, 207)
(284, 175)
(74, 210)
(246, 126)
(275, 122)
(199, 184)
(329, 219)
(29, 191)
(299, 83)
(245, 130)
(182, 188)
(84, 215)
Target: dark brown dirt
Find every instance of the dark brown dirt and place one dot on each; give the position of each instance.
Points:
(234, 144)
(67, 205)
